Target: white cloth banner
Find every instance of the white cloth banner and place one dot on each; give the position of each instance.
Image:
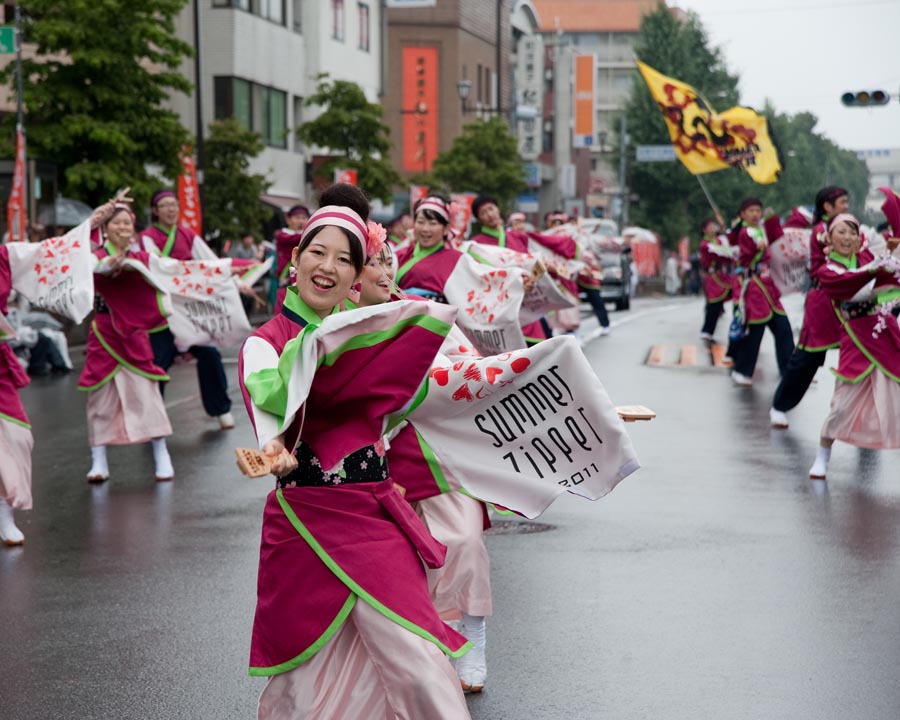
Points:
(547, 294)
(489, 300)
(511, 430)
(56, 274)
(206, 306)
(789, 261)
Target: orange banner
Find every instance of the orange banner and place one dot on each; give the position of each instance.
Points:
(16, 218)
(420, 108)
(585, 70)
(190, 215)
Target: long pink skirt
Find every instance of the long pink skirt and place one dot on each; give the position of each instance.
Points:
(16, 443)
(463, 584)
(126, 410)
(865, 414)
(371, 669)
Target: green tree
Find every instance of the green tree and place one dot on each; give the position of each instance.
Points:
(351, 128)
(94, 92)
(230, 192)
(485, 159)
(671, 200)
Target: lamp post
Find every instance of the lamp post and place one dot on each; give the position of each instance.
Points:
(463, 87)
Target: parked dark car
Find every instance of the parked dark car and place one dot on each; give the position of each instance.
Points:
(616, 285)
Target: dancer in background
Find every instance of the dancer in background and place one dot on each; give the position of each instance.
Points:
(354, 638)
(124, 405)
(173, 241)
(487, 229)
(717, 262)
(821, 330)
(865, 406)
(286, 239)
(760, 297)
(16, 440)
(424, 265)
(461, 588)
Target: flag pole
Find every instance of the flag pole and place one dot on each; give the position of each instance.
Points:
(712, 203)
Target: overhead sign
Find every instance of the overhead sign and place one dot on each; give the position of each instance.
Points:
(527, 203)
(529, 77)
(585, 72)
(345, 176)
(655, 153)
(532, 174)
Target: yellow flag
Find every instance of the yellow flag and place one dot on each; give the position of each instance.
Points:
(706, 141)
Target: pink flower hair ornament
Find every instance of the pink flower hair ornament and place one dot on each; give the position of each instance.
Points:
(377, 238)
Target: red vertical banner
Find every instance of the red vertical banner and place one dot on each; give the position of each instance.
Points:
(190, 215)
(420, 108)
(416, 193)
(345, 176)
(460, 212)
(16, 218)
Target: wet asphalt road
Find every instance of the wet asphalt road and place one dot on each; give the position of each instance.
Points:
(717, 582)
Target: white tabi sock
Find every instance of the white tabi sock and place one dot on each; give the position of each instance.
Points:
(819, 470)
(99, 468)
(9, 533)
(472, 667)
(162, 461)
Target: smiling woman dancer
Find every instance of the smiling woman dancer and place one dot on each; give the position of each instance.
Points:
(124, 404)
(344, 625)
(865, 406)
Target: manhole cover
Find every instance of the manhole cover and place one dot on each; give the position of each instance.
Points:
(517, 527)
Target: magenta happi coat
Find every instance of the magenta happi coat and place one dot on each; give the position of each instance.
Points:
(325, 548)
(518, 241)
(130, 307)
(12, 376)
(821, 326)
(761, 296)
(870, 340)
(718, 264)
(285, 242)
(428, 271)
(178, 243)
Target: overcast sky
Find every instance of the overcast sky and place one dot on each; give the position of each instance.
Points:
(804, 54)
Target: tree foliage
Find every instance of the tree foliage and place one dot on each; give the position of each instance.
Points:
(484, 159)
(94, 92)
(230, 192)
(351, 129)
(670, 199)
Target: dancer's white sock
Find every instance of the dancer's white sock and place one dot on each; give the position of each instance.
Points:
(820, 466)
(9, 533)
(472, 667)
(161, 460)
(99, 467)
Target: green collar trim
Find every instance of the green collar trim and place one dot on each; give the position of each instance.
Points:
(293, 303)
(849, 263)
(170, 241)
(499, 234)
(418, 255)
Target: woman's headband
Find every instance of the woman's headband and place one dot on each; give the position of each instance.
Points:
(843, 217)
(436, 205)
(339, 216)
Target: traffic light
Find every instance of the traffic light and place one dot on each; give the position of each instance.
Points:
(865, 98)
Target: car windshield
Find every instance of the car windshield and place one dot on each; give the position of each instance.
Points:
(610, 259)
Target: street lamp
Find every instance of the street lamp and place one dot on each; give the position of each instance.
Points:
(463, 87)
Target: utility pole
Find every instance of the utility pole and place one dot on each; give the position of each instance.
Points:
(623, 156)
(20, 124)
(198, 92)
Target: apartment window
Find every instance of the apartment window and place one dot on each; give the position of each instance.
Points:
(257, 107)
(269, 9)
(478, 89)
(363, 13)
(337, 19)
(298, 15)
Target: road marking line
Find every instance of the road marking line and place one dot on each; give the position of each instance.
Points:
(688, 355)
(656, 355)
